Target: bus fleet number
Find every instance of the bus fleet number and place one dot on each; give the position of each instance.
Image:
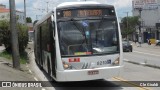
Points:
(104, 62)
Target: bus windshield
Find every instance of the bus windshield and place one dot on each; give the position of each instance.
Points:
(88, 37)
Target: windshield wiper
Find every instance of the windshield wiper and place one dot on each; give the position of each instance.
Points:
(74, 23)
(81, 30)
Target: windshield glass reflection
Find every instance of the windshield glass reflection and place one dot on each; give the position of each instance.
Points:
(88, 37)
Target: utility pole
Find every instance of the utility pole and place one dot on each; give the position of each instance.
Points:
(14, 36)
(140, 34)
(127, 23)
(47, 7)
(25, 12)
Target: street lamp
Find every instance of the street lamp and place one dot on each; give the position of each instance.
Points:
(47, 6)
(25, 11)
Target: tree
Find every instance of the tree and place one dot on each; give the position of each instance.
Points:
(22, 37)
(28, 20)
(6, 35)
(133, 21)
(1, 37)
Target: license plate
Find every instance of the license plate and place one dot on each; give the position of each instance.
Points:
(94, 72)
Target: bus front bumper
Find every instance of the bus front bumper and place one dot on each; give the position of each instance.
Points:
(84, 74)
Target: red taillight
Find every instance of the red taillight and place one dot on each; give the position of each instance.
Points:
(74, 59)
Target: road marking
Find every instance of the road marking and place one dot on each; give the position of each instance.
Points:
(130, 83)
(142, 63)
(30, 71)
(125, 59)
(35, 79)
(43, 89)
(146, 53)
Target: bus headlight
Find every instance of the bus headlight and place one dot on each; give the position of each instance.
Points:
(66, 66)
(116, 62)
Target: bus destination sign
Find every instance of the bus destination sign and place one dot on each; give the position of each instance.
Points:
(86, 13)
(83, 13)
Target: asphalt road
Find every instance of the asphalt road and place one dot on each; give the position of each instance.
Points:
(132, 72)
(145, 55)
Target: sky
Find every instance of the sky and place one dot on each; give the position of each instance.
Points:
(37, 8)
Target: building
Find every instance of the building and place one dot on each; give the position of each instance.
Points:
(2, 6)
(149, 13)
(5, 14)
(30, 31)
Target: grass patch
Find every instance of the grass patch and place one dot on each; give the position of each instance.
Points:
(6, 55)
(23, 56)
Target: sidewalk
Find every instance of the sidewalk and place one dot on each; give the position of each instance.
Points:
(9, 62)
(8, 73)
(1, 48)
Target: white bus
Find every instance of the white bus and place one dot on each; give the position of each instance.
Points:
(79, 41)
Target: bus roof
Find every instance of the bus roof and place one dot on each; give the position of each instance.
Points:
(76, 3)
(81, 4)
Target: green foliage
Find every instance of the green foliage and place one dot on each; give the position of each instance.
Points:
(6, 55)
(6, 35)
(132, 23)
(1, 37)
(22, 36)
(28, 20)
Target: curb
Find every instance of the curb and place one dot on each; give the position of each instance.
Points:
(143, 64)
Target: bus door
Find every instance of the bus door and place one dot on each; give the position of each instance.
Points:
(39, 47)
(53, 47)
